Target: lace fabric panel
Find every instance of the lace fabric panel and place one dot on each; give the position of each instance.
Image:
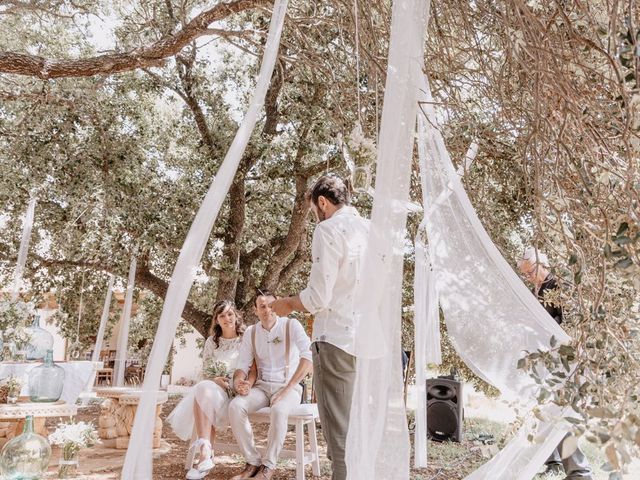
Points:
(378, 441)
(492, 318)
(227, 351)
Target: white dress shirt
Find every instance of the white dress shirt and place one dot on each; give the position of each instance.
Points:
(270, 350)
(338, 250)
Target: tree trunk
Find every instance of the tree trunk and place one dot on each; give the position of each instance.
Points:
(228, 279)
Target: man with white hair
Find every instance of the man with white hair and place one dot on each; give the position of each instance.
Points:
(534, 266)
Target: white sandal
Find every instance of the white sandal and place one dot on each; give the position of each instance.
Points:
(205, 463)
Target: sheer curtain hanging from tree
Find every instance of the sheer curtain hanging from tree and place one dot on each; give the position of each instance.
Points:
(426, 318)
(378, 440)
(95, 357)
(138, 461)
(27, 226)
(491, 316)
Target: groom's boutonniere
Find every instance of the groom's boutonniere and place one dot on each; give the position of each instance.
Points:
(276, 341)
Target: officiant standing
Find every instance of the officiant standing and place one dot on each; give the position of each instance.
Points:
(534, 266)
(337, 250)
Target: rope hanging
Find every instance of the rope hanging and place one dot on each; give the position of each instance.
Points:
(357, 42)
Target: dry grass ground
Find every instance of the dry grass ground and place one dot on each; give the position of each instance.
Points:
(447, 461)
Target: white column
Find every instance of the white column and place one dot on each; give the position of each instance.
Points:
(123, 334)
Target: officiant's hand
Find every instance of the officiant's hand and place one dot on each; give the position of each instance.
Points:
(222, 382)
(242, 387)
(280, 395)
(282, 307)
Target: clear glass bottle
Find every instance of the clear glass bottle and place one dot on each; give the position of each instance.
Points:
(361, 179)
(25, 457)
(46, 381)
(39, 342)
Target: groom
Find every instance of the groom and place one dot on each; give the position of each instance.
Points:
(280, 349)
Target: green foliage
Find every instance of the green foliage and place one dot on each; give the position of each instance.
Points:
(121, 163)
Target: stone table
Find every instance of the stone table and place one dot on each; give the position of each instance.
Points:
(12, 416)
(118, 412)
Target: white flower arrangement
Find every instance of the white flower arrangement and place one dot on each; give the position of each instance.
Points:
(217, 369)
(10, 389)
(220, 368)
(72, 437)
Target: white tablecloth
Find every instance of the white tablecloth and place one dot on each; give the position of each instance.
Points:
(77, 376)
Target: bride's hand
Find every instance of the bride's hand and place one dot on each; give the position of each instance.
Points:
(222, 382)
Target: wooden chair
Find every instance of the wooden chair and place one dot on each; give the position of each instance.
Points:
(104, 376)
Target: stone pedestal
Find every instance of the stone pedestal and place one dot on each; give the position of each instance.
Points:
(118, 412)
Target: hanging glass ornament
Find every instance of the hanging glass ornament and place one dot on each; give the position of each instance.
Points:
(360, 154)
(75, 350)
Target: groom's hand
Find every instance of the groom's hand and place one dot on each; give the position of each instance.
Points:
(280, 395)
(282, 307)
(242, 387)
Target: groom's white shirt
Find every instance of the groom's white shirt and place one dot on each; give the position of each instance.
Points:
(270, 350)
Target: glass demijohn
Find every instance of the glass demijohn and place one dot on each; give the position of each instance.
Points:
(25, 457)
(46, 381)
(39, 342)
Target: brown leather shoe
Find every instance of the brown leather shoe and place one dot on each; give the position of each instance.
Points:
(265, 473)
(248, 472)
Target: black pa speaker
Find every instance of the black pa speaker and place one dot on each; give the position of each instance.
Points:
(444, 409)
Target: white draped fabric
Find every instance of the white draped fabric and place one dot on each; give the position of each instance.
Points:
(27, 226)
(103, 322)
(427, 317)
(138, 462)
(123, 334)
(427, 339)
(492, 318)
(378, 440)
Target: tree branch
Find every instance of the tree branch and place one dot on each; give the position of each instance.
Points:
(144, 279)
(197, 318)
(149, 56)
(297, 226)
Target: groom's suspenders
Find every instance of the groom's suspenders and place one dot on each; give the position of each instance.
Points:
(287, 349)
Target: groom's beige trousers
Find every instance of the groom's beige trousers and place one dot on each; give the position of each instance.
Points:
(259, 397)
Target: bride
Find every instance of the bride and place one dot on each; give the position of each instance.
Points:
(205, 406)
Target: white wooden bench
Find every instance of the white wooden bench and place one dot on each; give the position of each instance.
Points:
(305, 414)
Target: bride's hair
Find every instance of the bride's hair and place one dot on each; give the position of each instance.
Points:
(216, 330)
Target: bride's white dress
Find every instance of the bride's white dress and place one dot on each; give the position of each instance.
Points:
(212, 399)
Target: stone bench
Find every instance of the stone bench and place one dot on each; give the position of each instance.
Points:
(305, 414)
